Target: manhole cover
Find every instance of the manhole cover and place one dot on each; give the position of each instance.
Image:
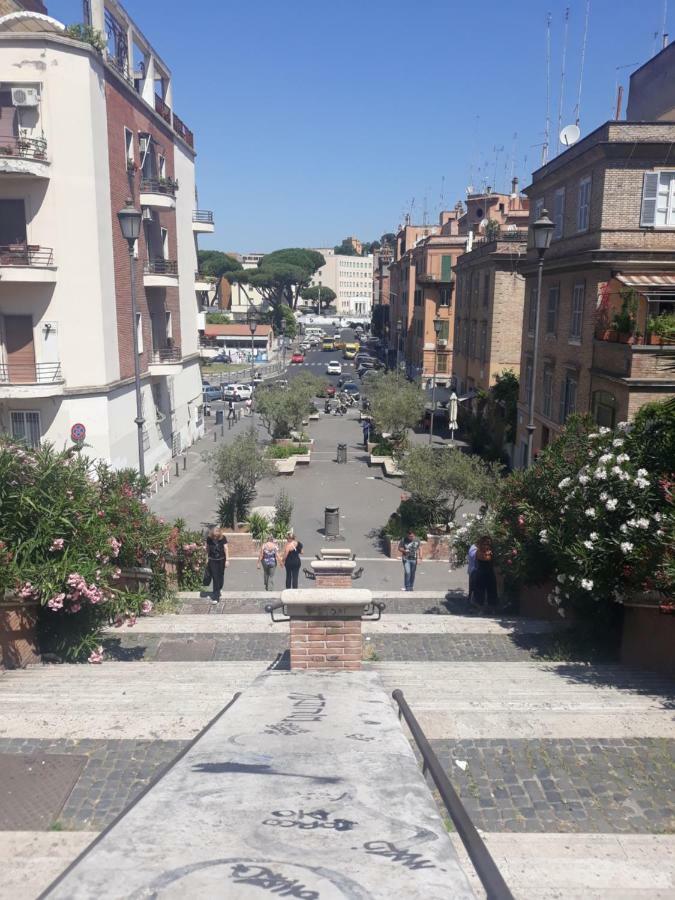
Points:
(33, 788)
(186, 651)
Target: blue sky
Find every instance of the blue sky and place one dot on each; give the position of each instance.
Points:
(317, 119)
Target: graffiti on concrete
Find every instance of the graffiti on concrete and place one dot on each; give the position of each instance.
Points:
(396, 854)
(264, 877)
(308, 821)
(306, 708)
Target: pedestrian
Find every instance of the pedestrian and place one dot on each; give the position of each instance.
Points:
(217, 562)
(291, 560)
(410, 549)
(269, 559)
(366, 426)
(482, 579)
(231, 412)
(249, 407)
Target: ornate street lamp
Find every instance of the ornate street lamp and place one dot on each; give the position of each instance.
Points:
(542, 232)
(130, 225)
(438, 324)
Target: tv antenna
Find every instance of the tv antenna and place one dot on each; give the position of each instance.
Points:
(496, 150)
(583, 62)
(562, 73)
(547, 130)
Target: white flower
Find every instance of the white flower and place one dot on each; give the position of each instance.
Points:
(642, 473)
(563, 484)
(626, 547)
(624, 476)
(623, 426)
(588, 545)
(657, 517)
(600, 474)
(587, 584)
(632, 523)
(623, 457)
(594, 535)
(604, 430)
(605, 458)
(590, 512)
(659, 531)
(543, 536)
(642, 523)
(604, 496)
(561, 579)
(617, 470)
(641, 483)
(612, 503)
(623, 529)
(617, 442)
(594, 435)
(561, 612)
(584, 479)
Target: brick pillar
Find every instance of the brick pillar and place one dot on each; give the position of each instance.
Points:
(333, 573)
(333, 580)
(326, 643)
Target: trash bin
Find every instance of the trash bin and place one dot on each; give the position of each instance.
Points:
(220, 416)
(342, 453)
(332, 521)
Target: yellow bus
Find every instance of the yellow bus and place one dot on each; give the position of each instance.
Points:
(351, 350)
(328, 344)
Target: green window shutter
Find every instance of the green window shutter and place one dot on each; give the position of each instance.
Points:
(446, 267)
(445, 330)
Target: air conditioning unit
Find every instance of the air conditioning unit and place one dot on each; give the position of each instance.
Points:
(147, 214)
(442, 342)
(25, 97)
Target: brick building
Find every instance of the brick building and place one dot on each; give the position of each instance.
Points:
(80, 132)
(381, 280)
(613, 246)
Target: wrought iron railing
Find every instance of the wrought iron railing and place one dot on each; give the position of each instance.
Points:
(486, 869)
(159, 186)
(167, 355)
(205, 216)
(26, 255)
(183, 131)
(161, 267)
(519, 236)
(435, 278)
(162, 108)
(30, 373)
(23, 147)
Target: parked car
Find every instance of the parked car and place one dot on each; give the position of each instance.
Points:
(350, 387)
(298, 357)
(211, 393)
(334, 368)
(237, 392)
(221, 358)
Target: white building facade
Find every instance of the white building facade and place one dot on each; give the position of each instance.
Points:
(81, 131)
(351, 277)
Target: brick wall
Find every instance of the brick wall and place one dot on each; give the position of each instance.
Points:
(333, 580)
(326, 644)
(125, 109)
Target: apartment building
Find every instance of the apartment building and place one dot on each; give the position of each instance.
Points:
(381, 323)
(611, 198)
(80, 132)
(351, 277)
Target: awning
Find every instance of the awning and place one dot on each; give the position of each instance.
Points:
(648, 283)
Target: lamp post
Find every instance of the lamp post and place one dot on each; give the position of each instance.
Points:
(130, 225)
(283, 343)
(399, 329)
(542, 233)
(252, 324)
(438, 324)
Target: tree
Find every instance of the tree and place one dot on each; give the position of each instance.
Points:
(287, 317)
(319, 295)
(345, 249)
(283, 409)
(216, 263)
(396, 404)
(217, 318)
(237, 468)
(388, 239)
(444, 479)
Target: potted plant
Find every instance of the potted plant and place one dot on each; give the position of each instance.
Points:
(662, 329)
(624, 320)
(7, 151)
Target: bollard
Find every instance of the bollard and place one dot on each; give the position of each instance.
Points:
(215, 436)
(177, 472)
(185, 462)
(342, 453)
(222, 431)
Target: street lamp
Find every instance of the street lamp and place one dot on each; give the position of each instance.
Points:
(438, 324)
(130, 225)
(252, 324)
(282, 328)
(542, 233)
(399, 329)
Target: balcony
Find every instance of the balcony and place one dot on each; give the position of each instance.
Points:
(163, 110)
(519, 235)
(160, 273)
(634, 362)
(183, 131)
(26, 157)
(25, 381)
(202, 221)
(27, 263)
(434, 278)
(204, 282)
(158, 193)
(165, 361)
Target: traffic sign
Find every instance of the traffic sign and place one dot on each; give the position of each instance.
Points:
(78, 433)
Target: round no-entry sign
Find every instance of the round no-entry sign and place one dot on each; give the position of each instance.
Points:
(78, 433)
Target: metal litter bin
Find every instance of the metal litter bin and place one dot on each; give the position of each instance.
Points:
(342, 453)
(332, 521)
(220, 416)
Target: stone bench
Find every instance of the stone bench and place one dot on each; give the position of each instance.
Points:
(390, 468)
(285, 466)
(335, 553)
(330, 573)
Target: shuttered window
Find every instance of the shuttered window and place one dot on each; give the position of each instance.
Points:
(532, 311)
(558, 213)
(658, 199)
(584, 207)
(576, 318)
(552, 310)
(446, 267)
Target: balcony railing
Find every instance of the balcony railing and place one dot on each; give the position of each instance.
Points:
(434, 278)
(162, 109)
(165, 355)
(200, 276)
(166, 186)
(520, 235)
(31, 373)
(205, 216)
(26, 255)
(183, 131)
(161, 267)
(23, 148)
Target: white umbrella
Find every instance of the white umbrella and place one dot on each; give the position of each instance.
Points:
(452, 411)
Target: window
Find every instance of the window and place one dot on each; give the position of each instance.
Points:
(558, 213)
(161, 165)
(483, 342)
(444, 333)
(532, 311)
(26, 427)
(552, 310)
(418, 297)
(658, 199)
(129, 144)
(444, 297)
(472, 340)
(486, 288)
(576, 319)
(139, 333)
(165, 242)
(168, 324)
(568, 397)
(584, 204)
(528, 380)
(446, 267)
(538, 208)
(604, 409)
(547, 392)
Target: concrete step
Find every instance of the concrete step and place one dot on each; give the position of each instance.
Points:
(306, 785)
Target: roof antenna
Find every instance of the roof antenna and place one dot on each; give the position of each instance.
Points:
(664, 33)
(442, 200)
(577, 111)
(562, 74)
(547, 130)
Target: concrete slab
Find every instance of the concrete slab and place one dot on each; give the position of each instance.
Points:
(30, 860)
(306, 787)
(533, 700)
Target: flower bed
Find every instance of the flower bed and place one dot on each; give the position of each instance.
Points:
(286, 450)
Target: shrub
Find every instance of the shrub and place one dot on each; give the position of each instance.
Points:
(411, 515)
(282, 410)
(396, 404)
(259, 526)
(238, 467)
(284, 451)
(283, 514)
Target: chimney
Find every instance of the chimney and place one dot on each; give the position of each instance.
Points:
(514, 187)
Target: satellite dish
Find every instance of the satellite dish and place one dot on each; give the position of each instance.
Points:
(484, 222)
(570, 135)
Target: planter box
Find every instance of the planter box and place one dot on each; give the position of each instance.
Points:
(18, 640)
(291, 442)
(437, 546)
(648, 635)
(532, 602)
(241, 544)
(135, 579)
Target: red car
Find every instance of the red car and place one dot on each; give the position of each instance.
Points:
(298, 358)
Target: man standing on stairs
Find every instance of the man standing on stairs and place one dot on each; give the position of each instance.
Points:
(410, 550)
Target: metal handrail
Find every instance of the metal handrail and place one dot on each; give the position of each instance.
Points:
(183, 131)
(26, 255)
(519, 236)
(30, 373)
(159, 186)
(23, 147)
(166, 355)
(161, 267)
(162, 108)
(485, 866)
(205, 216)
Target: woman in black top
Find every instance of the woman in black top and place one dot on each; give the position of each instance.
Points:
(216, 552)
(292, 560)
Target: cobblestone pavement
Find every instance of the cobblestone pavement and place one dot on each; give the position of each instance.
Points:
(576, 785)
(393, 647)
(114, 774)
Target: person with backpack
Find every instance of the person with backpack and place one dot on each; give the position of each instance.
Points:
(410, 550)
(216, 555)
(292, 560)
(269, 559)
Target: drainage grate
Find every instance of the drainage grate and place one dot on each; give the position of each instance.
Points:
(34, 788)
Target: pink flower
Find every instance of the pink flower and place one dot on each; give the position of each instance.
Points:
(96, 656)
(57, 544)
(521, 521)
(116, 574)
(56, 602)
(116, 545)
(146, 608)
(119, 621)
(100, 513)
(26, 591)
(131, 619)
